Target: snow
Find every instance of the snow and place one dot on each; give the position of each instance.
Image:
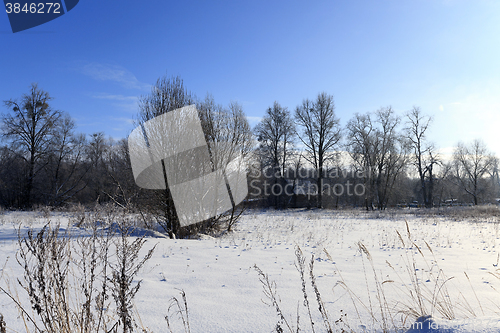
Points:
(457, 260)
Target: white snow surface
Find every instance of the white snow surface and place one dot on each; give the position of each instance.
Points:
(455, 260)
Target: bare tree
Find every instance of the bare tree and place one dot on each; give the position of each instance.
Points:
(166, 95)
(30, 131)
(276, 134)
(380, 151)
(294, 171)
(96, 151)
(228, 137)
(321, 134)
(393, 155)
(424, 157)
(472, 163)
(65, 163)
(361, 146)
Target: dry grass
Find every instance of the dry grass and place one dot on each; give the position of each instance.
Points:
(416, 294)
(180, 310)
(480, 213)
(70, 283)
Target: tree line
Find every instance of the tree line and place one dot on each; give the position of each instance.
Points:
(297, 158)
(387, 156)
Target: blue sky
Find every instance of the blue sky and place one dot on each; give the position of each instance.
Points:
(440, 55)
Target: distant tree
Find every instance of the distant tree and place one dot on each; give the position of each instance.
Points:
(424, 158)
(447, 186)
(294, 175)
(361, 145)
(276, 134)
(495, 177)
(29, 131)
(472, 163)
(96, 152)
(379, 150)
(12, 180)
(65, 168)
(321, 134)
(121, 188)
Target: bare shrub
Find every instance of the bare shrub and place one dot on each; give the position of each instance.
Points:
(92, 262)
(123, 272)
(46, 258)
(69, 283)
(77, 215)
(44, 210)
(216, 225)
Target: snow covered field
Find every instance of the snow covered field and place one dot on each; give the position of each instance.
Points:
(364, 272)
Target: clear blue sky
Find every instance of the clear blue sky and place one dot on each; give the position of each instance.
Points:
(441, 55)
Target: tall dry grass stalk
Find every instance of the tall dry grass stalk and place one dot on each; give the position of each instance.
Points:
(269, 288)
(178, 309)
(310, 291)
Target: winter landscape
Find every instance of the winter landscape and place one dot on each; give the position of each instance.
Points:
(250, 166)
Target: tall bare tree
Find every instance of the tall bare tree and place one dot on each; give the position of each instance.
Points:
(472, 163)
(30, 130)
(96, 152)
(276, 134)
(321, 134)
(376, 147)
(228, 136)
(424, 156)
(166, 95)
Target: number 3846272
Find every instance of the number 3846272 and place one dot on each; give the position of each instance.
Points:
(33, 8)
